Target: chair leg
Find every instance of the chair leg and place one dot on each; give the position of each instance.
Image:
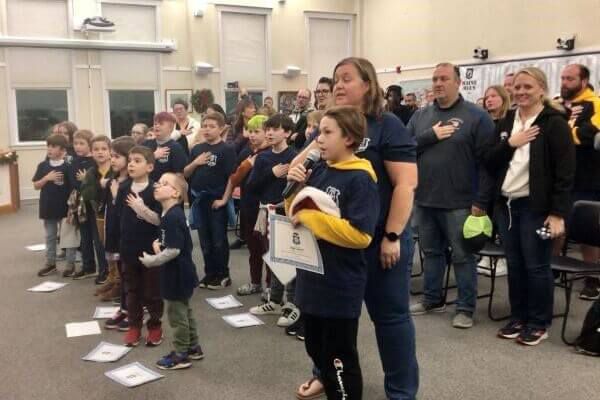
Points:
(568, 291)
(493, 265)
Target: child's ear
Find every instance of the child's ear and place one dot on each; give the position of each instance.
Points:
(348, 141)
(149, 167)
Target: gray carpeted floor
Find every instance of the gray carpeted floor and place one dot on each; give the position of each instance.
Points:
(39, 362)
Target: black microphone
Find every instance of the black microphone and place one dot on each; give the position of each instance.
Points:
(292, 186)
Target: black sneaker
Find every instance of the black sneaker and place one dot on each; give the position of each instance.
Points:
(101, 279)
(124, 325)
(113, 323)
(591, 290)
(83, 275)
(204, 281)
(300, 333)
(195, 353)
(218, 282)
(511, 330)
(238, 244)
(531, 336)
(292, 330)
(47, 270)
(67, 273)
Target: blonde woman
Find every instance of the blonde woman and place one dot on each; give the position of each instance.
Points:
(534, 159)
(496, 101)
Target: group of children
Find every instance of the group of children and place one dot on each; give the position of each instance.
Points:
(126, 199)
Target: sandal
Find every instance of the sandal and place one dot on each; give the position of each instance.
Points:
(308, 391)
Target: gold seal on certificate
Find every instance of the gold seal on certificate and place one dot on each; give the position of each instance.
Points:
(296, 247)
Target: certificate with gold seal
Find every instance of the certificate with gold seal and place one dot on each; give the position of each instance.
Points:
(296, 247)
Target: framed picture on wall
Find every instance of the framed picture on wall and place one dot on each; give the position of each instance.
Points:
(285, 101)
(175, 94)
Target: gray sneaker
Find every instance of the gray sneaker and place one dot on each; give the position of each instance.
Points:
(421, 308)
(249, 288)
(462, 321)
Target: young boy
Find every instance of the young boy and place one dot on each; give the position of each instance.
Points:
(267, 181)
(51, 178)
(212, 163)
(331, 303)
(115, 285)
(169, 155)
(178, 278)
(138, 213)
(248, 205)
(92, 230)
(118, 163)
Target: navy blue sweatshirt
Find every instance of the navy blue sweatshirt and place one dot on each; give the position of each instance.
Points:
(262, 182)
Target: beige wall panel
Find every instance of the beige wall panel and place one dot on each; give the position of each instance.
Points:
(175, 20)
(96, 104)
(4, 128)
(29, 158)
(176, 80)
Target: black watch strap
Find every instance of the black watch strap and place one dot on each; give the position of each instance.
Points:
(392, 236)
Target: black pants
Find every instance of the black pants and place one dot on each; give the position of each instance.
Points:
(331, 343)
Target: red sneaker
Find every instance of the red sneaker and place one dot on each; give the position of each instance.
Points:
(154, 337)
(133, 337)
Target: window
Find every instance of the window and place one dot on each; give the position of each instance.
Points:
(128, 107)
(38, 110)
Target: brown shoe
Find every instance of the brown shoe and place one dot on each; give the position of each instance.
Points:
(103, 289)
(110, 294)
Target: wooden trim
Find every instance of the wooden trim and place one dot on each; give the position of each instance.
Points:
(13, 170)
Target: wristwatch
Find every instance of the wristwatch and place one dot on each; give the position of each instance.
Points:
(392, 236)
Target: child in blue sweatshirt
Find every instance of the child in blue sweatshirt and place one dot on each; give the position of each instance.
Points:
(331, 303)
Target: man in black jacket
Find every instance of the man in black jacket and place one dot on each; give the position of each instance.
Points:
(451, 136)
(584, 108)
(394, 99)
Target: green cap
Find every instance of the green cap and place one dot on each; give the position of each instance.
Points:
(476, 231)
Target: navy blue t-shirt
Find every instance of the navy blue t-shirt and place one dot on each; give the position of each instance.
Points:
(262, 182)
(80, 163)
(53, 195)
(387, 140)
(137, 235)
(212, 177)
(340, 291)
(178, 277)
(174, 162)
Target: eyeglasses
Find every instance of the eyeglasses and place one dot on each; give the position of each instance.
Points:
(137, 133)
(324, 91)
(159, 184)
(303, 97)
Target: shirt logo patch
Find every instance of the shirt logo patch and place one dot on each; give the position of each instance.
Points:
(163, 160)
(334, 193)
(455, 122)
(212, 161)
(363, 145)
(162, 237)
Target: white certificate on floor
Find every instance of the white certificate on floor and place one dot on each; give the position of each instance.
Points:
(242, 320)
(105, 312)
(223, 303)
(297, 247)
(107, 352)
(133, 374)
(75, 329)
(48, 286)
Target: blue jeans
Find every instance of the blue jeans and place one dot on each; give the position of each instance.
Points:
(387, 300)
(439, 228)
(530, 279)
(231, 215)
(90, 244)
(277, 289)
(212, 233)
(51, 234)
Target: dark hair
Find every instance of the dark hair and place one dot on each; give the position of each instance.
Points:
(122, 145)
(101, 138)
(164, 116)
(144, 152)
(280, 121)
(454, 67)
(413, 94)
(57, 140)
(217, 117)
(327, 81)
(584, 72)
(373, 98)
(217, 108)
(351, 121)
(394, 88)
(181, 101)
(239, 110)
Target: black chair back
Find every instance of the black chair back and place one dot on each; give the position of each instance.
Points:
(584, 226)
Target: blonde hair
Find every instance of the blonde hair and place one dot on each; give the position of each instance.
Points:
(540, 78)
(503, 95)
(315, 117)
(179, 183)
(373, 98)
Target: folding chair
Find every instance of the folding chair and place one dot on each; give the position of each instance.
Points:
(494, 252)
(584, 228)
